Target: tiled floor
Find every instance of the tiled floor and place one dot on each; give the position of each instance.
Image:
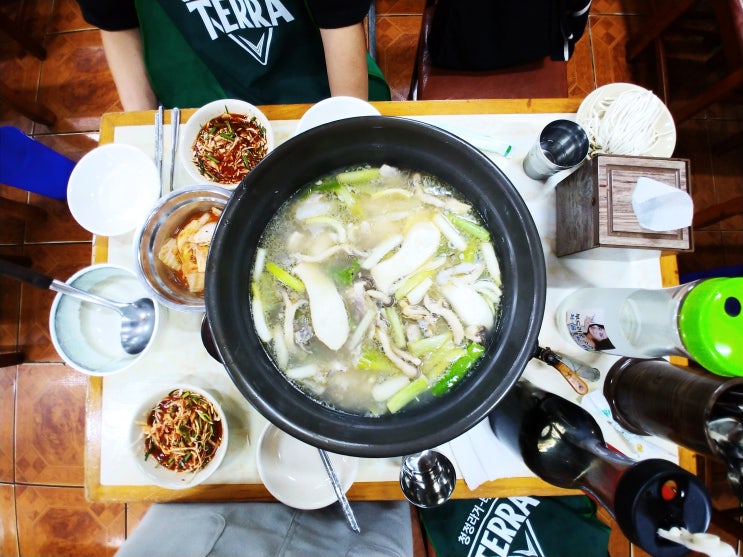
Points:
(42, 500)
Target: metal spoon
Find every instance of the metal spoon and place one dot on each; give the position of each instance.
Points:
(427, 479)
(137, 318)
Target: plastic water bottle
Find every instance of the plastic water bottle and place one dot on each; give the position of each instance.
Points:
(32, 166)
(701, 320)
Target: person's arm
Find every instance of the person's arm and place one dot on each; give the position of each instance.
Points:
(125, 56)
(345, 58)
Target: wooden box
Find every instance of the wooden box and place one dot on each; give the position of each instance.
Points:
(594, 205)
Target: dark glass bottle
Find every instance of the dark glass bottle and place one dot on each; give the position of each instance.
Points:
(563, 445)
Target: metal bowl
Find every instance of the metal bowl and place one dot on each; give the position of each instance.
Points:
(164, 220)
(404, 143)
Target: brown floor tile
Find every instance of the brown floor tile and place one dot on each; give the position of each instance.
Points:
(59, 224)
(397, 40)
(608, 39)
(78, 101)
(67, 17)
(581, 79)
(21, 75)
(8, 531)
(134, 514)
(50, 425)
(57, 521)
(399, 7)
(59, 261)
(10, 304)
(709, 253)
(7, 423)
(733, 242)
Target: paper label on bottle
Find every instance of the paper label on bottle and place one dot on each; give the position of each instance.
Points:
(587, 328)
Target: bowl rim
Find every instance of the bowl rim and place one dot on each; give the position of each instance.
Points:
(55, 307)
(346, 474)
(206, 113)
(77, 203)
(139, 237)
(136, 439)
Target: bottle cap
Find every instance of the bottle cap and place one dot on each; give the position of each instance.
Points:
(711, 325)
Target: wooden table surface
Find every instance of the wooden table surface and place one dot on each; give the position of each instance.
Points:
(387, 490)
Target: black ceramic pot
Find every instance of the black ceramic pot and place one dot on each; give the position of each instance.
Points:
(375, 140)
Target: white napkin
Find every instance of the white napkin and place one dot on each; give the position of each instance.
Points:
(482, 457)
(661, 207)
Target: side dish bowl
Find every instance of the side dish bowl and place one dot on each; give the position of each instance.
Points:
(164, 221)
(293, 471)
(158, 474)
(203, 116)
(87, 336)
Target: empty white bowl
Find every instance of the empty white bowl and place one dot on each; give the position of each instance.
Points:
(293, 471)
(332, 109)
(112, 188)
(86, 335)
(191, 128)
(159, 475)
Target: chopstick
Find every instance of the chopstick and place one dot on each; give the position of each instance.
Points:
(342, 499)
(175, 121)
(159, 142)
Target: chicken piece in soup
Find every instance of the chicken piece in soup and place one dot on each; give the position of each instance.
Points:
(375, 288)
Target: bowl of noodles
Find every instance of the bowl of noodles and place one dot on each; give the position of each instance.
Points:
(179, 437)
(223, 141)
(375, 286)
(172, 245)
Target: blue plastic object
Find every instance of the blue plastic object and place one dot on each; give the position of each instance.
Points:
(32, 166)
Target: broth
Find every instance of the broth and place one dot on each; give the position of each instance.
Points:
(375, 288)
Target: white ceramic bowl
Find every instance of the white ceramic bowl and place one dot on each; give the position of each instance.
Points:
(191, 128)
(293, 472)
(159, 475)
(87, 336)
(171, 212)
(332, 109)
(112, 188)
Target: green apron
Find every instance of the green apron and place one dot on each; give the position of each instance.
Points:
(269, 54)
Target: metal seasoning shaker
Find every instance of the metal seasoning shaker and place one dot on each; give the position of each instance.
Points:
(701, 320)
(562, 444)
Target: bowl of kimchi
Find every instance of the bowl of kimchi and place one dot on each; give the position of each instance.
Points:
(179, 436)
(172, 245)
(223, 141)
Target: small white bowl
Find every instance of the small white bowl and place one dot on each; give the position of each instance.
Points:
(87, 336)
(112, 188)
(159, 475)
(332, 109)
(191, 129)
(293, 471)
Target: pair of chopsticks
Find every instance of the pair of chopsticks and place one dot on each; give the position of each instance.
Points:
(175, 118)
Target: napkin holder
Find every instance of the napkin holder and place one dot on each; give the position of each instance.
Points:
(594, 205)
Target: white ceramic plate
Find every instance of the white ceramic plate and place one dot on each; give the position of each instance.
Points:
(88, 336)
(159, 475)
(332, 109)
(603, 96)
(293, 472)
(211, 110)
(112, 189)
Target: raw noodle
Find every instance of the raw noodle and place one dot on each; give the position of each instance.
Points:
(625, 124)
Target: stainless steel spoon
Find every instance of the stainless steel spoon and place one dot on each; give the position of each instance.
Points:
(137, 318)
(427, 479)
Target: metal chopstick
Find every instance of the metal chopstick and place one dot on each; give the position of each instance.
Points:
(175, 121)
(159, 142)
(342, 499)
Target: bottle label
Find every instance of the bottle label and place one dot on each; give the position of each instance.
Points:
(587, 329)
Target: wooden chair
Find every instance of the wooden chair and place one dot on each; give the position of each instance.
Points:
(728, 18)
(542, 79)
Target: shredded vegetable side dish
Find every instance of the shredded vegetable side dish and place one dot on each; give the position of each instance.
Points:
(229, 146)
(185, 252)
(183, 432)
